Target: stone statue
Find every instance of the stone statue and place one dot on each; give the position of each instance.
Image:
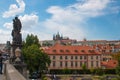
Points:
(17, 38)
(17, 24)
(16, 57)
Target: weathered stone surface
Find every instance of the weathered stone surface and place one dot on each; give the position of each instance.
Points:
(12, 74)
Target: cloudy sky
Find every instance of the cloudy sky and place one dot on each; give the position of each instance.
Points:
(77, 19)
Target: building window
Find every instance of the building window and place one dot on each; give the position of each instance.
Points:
(82, 51)
(85, 57)
(76, 50)
(67, 51)
(60, 57)
(54, 50)
(53, 63)
(89, 50)
(53, 57)
(61, 51)
(66, 64)
(75, 57)
(65, 57)
(103, 51)
(91, 63)
(60, 63)
(75, 64)
(96, 57)
(110, 50)
(80, 63)
(91, 57)
(71, 63)
(85, 63)
(80, 57)
(71, 57)
(97, 64)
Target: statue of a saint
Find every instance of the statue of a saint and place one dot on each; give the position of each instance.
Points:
(16, 31)
(17, 24)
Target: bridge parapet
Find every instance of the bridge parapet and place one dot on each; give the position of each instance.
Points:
(11, 73)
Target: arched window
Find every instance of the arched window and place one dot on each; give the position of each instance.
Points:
(82, 51)
(54, 50)
(76, 50)
(67, 51)
(61, 51)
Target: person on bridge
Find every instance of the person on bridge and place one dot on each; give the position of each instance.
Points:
(1, 63)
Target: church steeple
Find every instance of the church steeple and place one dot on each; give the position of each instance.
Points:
(57, 36)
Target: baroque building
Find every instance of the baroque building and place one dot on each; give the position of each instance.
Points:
(73, 57)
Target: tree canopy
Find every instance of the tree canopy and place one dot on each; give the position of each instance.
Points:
(31, 39)
(34, 57)
(116, 56)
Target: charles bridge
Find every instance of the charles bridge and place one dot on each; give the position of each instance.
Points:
(11, 73)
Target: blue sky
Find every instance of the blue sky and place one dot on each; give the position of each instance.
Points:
(77, 19)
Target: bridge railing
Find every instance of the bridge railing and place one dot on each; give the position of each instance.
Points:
(11, 73)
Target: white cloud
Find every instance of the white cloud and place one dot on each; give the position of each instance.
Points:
(5, 36)
(14, 9)
(90, 8)
(29, 21)
(8, 25)
(68, 29)
(69, 20)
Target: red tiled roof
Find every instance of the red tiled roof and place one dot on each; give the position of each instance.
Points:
(69, 49)
(117, 46)
(109, 64)
(104, 47)
(44, 48)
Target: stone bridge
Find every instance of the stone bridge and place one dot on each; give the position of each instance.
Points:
(10, 73)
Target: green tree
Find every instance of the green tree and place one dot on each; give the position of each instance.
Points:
(99, 71)
(34, 57)
(92, 70)
(84, 68)
(66, 71)
(31, 39)
(118, 67)
(116, 56)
